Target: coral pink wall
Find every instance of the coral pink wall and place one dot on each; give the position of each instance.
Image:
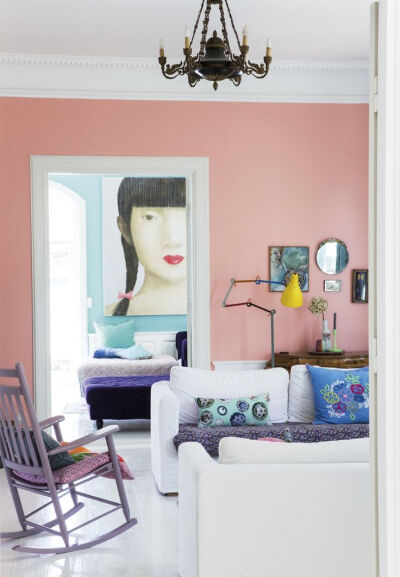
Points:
(284, 174)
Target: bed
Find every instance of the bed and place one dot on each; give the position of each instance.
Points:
(109, 383)
(158, 365)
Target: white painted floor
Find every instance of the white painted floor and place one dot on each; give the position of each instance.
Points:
(147, 550)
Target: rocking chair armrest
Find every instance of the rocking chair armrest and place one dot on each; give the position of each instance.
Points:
(51, 421)
(96, 436)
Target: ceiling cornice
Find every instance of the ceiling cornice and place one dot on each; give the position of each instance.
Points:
(53, 76)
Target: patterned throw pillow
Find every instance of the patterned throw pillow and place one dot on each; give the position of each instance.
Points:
(340, 395)
(233, 412)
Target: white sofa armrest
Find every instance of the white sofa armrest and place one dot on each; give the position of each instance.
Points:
(193, 460)
(278, 519)
(164, 427)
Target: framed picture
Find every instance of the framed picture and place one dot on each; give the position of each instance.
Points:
(332, 286)
(144, 245)
(286, 260)
(360, 286)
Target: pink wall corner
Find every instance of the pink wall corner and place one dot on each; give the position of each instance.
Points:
(280, 174)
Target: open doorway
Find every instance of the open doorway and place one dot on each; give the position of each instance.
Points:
(195, 173)
(68, 294)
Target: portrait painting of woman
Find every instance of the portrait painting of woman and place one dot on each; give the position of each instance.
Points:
(151, 229)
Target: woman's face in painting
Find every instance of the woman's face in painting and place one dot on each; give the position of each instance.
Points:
(276, 255)
(159, 237)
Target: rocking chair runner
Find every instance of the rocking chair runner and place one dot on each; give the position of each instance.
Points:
(23, 451)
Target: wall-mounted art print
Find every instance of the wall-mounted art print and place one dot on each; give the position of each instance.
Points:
(360, 286)
(144, 246)
(284, 261)
(334, 286)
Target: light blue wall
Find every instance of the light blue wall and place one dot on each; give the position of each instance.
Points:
(88, 186)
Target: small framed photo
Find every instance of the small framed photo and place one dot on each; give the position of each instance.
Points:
(332, 286)
(360, 286)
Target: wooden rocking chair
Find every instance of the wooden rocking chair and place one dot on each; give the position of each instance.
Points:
(27, 467)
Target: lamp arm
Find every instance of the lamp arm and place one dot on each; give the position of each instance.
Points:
(251, 304)
(233, 282)
(260, 280)
(248, 303)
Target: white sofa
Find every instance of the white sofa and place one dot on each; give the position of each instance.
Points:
(173, 403)
(290, 510)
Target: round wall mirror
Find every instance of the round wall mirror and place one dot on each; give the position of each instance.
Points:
(332, 256)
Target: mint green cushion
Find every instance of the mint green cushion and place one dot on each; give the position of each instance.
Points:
(234, 412)
(115, 336)
(135, 353)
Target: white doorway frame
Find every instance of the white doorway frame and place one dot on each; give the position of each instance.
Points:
(385, 321)
(195, 170)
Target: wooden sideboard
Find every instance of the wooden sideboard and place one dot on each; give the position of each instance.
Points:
(343, 361)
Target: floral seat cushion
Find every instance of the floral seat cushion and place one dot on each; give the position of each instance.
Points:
(78, 470)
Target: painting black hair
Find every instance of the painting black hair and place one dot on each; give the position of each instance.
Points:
(150, 192)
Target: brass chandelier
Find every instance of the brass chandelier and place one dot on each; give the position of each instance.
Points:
(215, 60)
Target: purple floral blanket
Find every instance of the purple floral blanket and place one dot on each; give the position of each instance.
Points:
(299, 432)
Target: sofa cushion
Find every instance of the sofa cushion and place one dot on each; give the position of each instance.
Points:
(246, 451)
(188, 384)
(299, 433)
(235, 412)
(301, 398)
(301, 408)
(340, 395)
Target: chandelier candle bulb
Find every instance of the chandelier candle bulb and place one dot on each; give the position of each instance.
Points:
(245, 33)
(269, 46)
(161, 47)
(187, 37)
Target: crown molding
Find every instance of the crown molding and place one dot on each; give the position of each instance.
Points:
(53, 76)
(133, 62)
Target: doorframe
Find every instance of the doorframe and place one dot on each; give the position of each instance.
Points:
(387, 304)
(196, 172)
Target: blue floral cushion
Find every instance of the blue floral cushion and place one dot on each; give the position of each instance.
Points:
(340, 395)
(233, 412)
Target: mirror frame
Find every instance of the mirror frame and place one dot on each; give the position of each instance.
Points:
(321, 244)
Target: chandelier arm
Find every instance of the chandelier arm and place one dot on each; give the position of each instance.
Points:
(258, 70)
(233, 25)
(172, 71)
(224, 31)
(197, 23)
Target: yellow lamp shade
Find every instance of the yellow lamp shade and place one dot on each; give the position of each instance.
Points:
(292, 295)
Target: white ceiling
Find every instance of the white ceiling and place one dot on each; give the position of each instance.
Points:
(299, 29)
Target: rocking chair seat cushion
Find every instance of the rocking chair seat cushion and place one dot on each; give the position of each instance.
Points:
(78, 470)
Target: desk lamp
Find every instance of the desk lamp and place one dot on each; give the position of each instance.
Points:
(291, 297)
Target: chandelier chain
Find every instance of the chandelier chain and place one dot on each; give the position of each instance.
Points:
(233, 24)
(197, 23)
(203, 41)
(224, 31)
